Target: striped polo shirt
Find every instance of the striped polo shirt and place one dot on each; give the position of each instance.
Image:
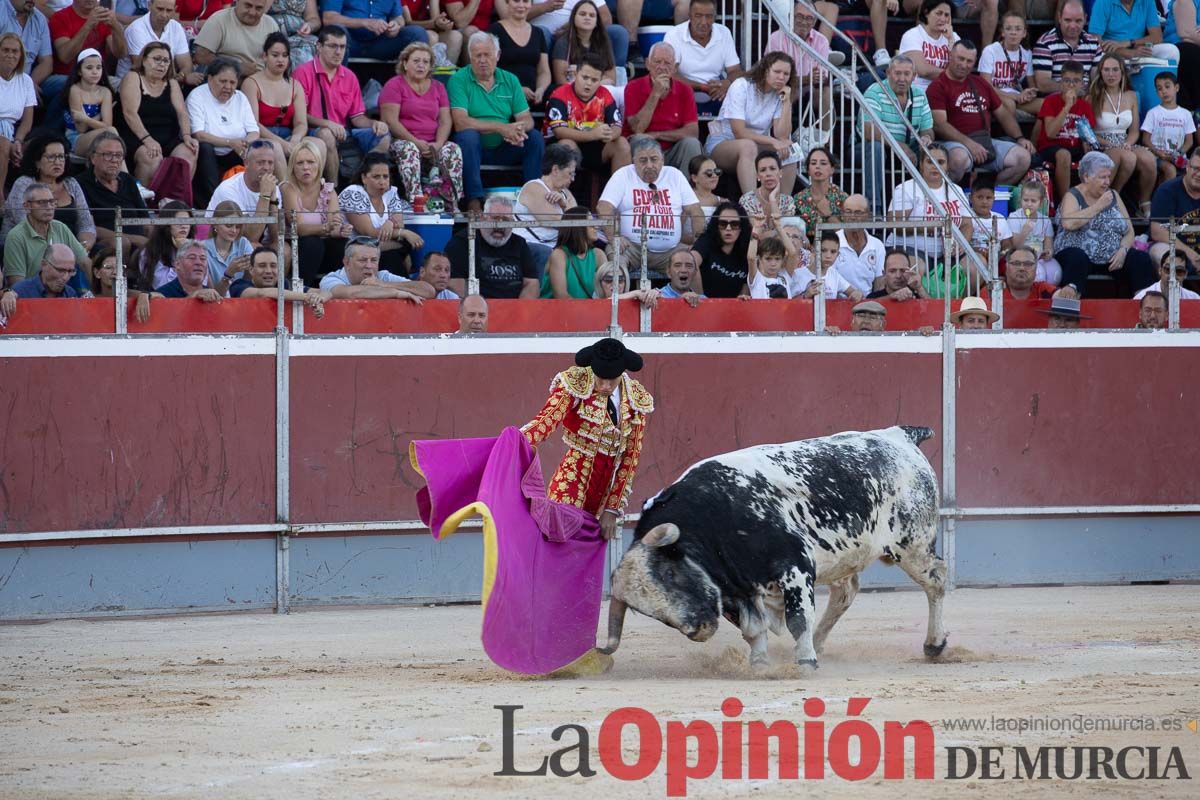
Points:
(1051, 52)
(880, 97)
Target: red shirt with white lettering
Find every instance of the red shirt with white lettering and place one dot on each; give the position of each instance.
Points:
(968, 104)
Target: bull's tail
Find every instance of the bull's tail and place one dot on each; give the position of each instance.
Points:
(917, 434)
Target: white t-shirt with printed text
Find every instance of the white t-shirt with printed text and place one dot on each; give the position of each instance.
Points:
(951, 201)
(835, 285)
(935, 51)
(760, 286)
(1168, 127)
(1007, 68)
(632, 197)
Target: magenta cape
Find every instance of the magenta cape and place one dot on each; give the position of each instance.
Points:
(543, 562)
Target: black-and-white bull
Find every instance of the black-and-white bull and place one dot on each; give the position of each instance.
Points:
(748, 534)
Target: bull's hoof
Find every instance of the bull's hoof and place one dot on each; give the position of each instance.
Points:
(934, 650)
(760, 666)
(808, 663)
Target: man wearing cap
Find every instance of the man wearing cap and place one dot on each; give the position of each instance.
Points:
(1063, 312)
(974, 315)
(866, 317)
(603, 413)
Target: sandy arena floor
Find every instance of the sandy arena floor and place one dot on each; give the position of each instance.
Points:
(398, 702)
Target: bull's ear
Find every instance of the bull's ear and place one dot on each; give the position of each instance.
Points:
(661, 535)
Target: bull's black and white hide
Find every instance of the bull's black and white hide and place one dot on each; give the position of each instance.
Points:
(748, 534)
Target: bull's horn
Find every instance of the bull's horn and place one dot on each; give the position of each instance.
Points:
(661, 535)
(616, 621)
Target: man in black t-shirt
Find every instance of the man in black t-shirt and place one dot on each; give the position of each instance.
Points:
(503, 262)
(106, 188)
(1178, 198)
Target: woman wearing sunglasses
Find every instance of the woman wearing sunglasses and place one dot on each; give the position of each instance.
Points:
(704, 174)
(721, 253)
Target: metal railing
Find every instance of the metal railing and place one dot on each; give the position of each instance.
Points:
(847, 109)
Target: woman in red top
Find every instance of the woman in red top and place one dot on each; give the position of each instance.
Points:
(278, 101)
(470, 16)
(193, 13)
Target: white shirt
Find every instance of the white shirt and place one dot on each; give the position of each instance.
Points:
(632, 198)
(235, 189)
(16, 95)
(551, 21)
(138, 34)
(1007, 67)
(835, 285)
(340, 278)
(760, 286)
(1168, 127)
(907, 196)
(935, 51)
(1184, 294)
(981, 230)
(232, 119)
(1040, 232)
(745, 102)
(702, 63)
(860, 269)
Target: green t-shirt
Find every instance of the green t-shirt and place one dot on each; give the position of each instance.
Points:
(501, 104)
(23, 248)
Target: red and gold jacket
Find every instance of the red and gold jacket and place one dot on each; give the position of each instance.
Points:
(594, 443)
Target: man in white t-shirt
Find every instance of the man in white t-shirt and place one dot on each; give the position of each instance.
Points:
(158, 25)
(704, 51)
(860, 255)
(1163, 284)
(647, 192)
(256, 190)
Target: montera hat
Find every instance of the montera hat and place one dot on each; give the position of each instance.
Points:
(1063, 307)
(608, 358)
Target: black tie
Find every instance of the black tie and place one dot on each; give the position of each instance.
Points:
(612, 411)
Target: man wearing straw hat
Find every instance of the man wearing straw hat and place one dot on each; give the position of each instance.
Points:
(974, 315)
(603, 414)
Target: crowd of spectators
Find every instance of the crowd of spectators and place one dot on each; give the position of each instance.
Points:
(240, 107)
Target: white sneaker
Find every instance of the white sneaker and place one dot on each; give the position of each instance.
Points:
(882, 58)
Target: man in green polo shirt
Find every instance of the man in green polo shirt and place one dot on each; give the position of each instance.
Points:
(27, 242)
(492, 122)
(916, 111)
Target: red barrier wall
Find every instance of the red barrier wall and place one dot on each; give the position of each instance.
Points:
(118, 442)
(1077, 427)
(528, 316)
(354, 416)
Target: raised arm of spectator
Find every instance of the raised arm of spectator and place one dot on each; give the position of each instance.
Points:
(697, 215)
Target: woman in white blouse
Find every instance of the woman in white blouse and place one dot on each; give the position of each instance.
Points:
(373, 208)
(223, 123)
(754, 117)
(17, 99)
